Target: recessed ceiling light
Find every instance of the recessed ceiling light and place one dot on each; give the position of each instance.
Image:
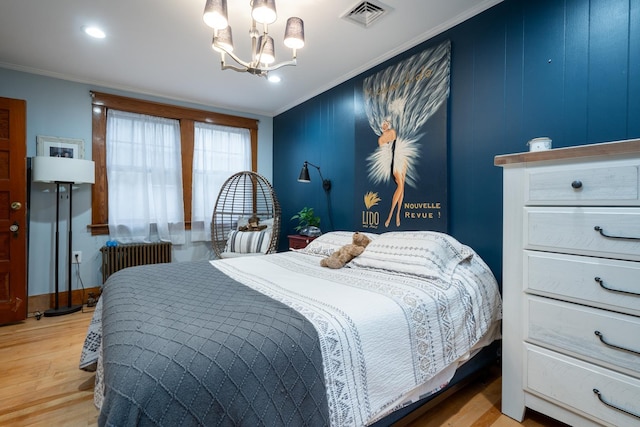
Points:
(94, 32)
(274, 79)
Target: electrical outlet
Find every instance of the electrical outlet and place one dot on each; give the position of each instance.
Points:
(77, 257)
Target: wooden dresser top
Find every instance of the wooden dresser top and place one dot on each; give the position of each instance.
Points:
(589, 150)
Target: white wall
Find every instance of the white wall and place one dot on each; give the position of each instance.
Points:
(63, 109)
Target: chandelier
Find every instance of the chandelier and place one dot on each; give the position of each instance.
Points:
(262, 48)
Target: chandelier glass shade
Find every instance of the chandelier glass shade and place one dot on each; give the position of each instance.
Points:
(263, 12)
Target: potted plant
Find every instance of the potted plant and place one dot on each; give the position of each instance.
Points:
(308, 222)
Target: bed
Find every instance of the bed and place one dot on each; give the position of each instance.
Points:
(280, 340)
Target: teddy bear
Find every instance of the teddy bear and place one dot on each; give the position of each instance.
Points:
(252, 225)
(346, 253)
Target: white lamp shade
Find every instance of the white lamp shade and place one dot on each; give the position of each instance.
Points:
(264, 11)
(268, 50)
(63, 169)
(294, 33)
(215, 14)
(223, 40)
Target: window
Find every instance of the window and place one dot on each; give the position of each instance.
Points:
(187, 118)
(145, 177)
(218, 153)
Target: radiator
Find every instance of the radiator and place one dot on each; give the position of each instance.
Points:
(116, 258)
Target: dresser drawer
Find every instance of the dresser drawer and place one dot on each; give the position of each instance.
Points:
(572, 382)
(607, 338)
(606, 232)
(605, 283)
(583, 184)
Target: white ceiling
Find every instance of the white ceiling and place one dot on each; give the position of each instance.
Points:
(163, 48)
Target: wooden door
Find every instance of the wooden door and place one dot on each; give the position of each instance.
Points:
(13, 210)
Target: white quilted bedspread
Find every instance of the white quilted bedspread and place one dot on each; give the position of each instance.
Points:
(387, 339)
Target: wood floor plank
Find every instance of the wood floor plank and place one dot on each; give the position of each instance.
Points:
(41, 385)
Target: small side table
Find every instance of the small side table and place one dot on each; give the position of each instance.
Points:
(297, 241)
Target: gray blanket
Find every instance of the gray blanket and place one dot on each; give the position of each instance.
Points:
(185, 345)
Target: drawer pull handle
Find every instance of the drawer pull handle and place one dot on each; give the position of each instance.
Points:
(601, 283)
(597, 392)
(576, 184)
(599, 335)
(599, 229)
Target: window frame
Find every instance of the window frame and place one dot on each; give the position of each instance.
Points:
(101, 102)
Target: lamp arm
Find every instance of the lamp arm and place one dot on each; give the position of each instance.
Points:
(258, 50)
(235, 58)
(280, 65)
(248, 68)
(224, 66)
(326, 184)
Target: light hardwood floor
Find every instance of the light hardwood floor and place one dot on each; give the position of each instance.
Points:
(41, 385)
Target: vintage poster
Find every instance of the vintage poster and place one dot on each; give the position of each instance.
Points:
(401, 144)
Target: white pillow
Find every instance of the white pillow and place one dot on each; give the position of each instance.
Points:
(246, 242)
(415, 253)
(327, 243)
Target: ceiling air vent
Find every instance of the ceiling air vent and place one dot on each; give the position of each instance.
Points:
(366, 13)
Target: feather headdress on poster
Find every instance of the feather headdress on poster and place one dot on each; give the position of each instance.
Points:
(405, 95)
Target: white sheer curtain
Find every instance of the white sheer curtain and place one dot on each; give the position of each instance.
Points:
(218, 153)
(144, 176)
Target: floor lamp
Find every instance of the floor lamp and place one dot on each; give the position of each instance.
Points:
(63, 171)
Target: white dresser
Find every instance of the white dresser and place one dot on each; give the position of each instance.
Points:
(571, 284)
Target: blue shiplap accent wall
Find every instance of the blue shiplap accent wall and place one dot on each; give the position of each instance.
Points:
(568, 69)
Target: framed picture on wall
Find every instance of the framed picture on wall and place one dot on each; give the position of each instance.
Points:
(401, 144)
(52, 146)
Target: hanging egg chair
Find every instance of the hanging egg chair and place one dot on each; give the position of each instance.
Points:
(246, 217)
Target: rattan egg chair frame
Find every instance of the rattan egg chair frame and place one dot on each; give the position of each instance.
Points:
(243, 195)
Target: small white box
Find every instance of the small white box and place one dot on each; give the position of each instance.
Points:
(539, 144)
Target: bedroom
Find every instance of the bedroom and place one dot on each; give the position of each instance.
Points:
(497, 104)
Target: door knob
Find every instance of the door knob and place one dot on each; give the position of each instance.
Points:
(14, 229)
(16, 206)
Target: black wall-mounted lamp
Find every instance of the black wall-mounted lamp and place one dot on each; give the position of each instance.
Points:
(304, 176)
(326, 185)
